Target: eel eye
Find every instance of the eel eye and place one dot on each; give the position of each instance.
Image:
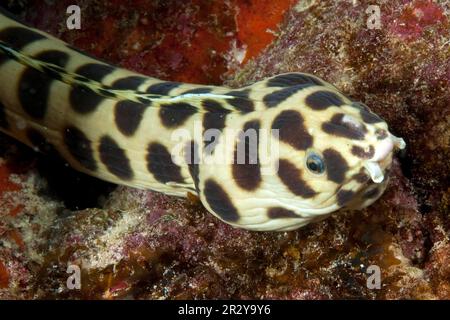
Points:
(315, 163)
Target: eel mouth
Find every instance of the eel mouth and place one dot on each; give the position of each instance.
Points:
(380, 161)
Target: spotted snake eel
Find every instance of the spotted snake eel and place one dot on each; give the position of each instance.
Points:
(177, 138)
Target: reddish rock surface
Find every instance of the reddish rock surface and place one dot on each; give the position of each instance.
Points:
(136, 244)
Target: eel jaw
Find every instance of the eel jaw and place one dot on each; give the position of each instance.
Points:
(374, 170)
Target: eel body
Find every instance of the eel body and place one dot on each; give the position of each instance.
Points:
(274, 155)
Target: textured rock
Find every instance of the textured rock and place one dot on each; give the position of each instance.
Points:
(137, 244)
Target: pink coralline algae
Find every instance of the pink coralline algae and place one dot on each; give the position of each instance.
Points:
(143, 245)
(416, 17)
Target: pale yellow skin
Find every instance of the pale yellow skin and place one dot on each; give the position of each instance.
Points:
(251, 205)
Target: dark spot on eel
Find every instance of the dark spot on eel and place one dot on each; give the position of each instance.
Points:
(361, 153)
(115, 158)
(79, 147)
(246, 167)
(162, 88)
(192, 159)
(336, 165)
(213, 119)
(292, 178)
(160, 164)
(173, 115)
(338, 127)
(321, 100)
(291, 130)
(220, 202)
(280, 213)
(292, 79)
(344, 196)
(128, 115)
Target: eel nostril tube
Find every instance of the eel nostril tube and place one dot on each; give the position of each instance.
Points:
(399, 143)
(374, 170)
